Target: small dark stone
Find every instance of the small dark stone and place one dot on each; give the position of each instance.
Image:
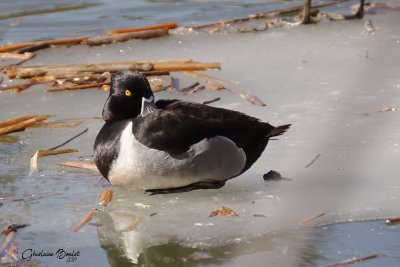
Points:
(272, 175)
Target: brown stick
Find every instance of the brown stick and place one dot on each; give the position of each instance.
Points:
(68, 41)
(353, 260)
(33, 48)
(10, 237)
(33, 166)
(77, 40)
(309, 219)
(29, 72)
(84, 221)
(187, 66)
(20, 123)
(393, 220)
(76, 87)
(18, 126)
(208, 78)
(145, 66)
(84, 77)
(13, 228)
(105, 197)
(153, 27)
(123, 37)
(314, 159)
(89, 86)
(20, 86)
(155, 73)
(211, 101)
(88, 165)
(25, 55)
(15, 120)
(69, 140)
(44, 153)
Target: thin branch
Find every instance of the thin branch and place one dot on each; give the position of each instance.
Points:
(353, 260)
(69, 140)
(314, 159)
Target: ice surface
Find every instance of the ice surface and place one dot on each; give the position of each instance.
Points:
(327, 80)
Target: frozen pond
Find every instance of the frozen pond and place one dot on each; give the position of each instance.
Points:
(22, 20)
(328, 80)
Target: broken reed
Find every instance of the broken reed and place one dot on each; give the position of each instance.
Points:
(21, 123)
(69, 70)
(116, 35)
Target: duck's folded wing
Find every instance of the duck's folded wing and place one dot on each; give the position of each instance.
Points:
(171, 132)
(205, 112)
(175, 133)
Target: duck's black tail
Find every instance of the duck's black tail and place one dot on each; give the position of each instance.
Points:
(255, 148)
(279, 130)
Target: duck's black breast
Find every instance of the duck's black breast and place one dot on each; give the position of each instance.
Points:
(107, 145)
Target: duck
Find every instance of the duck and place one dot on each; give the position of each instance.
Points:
(171, 145)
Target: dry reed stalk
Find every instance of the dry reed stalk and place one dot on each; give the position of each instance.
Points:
(67, 41)
(19, 126)
(84, 221)
(223, 211)
(76, 87)
(142, 66)
(69, 140)
(20, 123)
(25, 55)
(10, 237)
(105, 197)
(15, 120)
(123, 37)
(185, 66)
(45, 153)
(393, 220)
(309, 219)
(20, 86)
(88, 165)
(73, 69)
(353, 260)
(208, 78)
(153, 27)
(32, 48)
(211, 101)
(314, 159)
(134, 223)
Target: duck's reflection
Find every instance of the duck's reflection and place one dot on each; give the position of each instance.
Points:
(127, 247)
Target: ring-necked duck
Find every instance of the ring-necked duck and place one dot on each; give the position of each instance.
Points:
(173, 146)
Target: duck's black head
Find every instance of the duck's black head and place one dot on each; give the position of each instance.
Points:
(128, 90)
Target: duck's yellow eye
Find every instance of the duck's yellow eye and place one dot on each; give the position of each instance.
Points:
(128, 93)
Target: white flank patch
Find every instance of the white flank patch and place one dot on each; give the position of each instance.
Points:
(138, 166)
